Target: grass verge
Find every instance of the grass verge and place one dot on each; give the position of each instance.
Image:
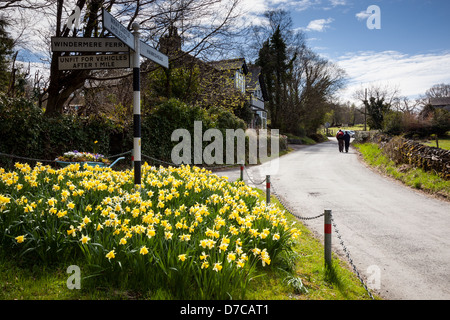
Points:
(410, 176)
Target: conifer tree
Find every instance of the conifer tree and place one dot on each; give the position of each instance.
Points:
(6, 46)
(273, 60)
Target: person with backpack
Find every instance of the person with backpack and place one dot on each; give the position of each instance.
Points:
(346, 141)
(340, 139)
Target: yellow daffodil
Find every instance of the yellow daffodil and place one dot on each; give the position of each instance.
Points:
(240, 263)
(61, 213)
(143, 250)
(168, 235)
(20, 239)
(185, 237)
(182, 257)
(86, 220)
(223, 247)
(84, 239)
(256, 251)
(231, 257)
(217, 266)
(151, 232)
(52, 202)
(111, 255)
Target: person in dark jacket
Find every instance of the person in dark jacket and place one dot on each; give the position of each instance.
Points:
(346, 140)
(340, 139)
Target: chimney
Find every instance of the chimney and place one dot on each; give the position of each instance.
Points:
(170, 44)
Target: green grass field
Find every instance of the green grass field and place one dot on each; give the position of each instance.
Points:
(444, 142)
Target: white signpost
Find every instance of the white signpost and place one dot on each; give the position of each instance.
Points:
(116, 28)
(154, 55)
(139, 48)
(86, 62)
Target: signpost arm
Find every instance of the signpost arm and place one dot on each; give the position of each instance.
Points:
(136, 107)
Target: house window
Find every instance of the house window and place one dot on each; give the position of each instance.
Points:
(240, 81)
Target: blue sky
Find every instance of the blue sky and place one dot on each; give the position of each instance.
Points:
(410, 52)
(412, 27)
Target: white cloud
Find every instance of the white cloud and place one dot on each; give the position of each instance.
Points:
(412, 74)
(296, 5)
(319, 25)
(336, 3)
(363, 15)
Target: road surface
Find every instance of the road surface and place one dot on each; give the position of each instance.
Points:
(398, 238)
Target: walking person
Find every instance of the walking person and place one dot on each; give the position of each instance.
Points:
(346, 141)
(340, 139)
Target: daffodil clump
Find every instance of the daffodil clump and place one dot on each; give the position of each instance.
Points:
(184, 229)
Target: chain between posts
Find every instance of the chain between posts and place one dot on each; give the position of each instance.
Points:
(251, 180)
(289, 210)
(347, 253)
(337, 234)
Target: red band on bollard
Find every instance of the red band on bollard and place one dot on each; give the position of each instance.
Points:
(328, 228)
(132, 158)
(268, 185)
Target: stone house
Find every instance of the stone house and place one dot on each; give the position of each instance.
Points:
(228, 82)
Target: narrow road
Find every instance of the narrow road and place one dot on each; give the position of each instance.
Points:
(398, 238)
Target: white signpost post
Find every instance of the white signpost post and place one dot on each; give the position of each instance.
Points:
(139, 48)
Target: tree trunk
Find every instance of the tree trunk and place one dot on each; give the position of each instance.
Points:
(63, 84)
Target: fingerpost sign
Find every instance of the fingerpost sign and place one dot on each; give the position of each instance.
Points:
(131, 39)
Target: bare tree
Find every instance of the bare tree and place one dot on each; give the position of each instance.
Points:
(389, 94)
(406, 105)
(438, 91)
(206, 27)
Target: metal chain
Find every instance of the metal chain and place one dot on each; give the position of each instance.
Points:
(218, 167)
(161, 161)
(289, 210)
(24, 158)
(347, 253)
(120, 154)
(251, 180)
(337, 234)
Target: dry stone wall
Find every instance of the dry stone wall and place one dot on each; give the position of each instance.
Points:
(409, 152)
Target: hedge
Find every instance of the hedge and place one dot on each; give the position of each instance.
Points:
(26, 132)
